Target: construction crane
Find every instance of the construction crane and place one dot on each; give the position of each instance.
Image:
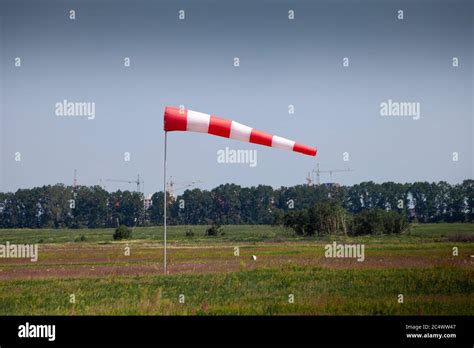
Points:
(74, 182)
(318, 172)
(138, 181)
(183, 185)
(101, 183)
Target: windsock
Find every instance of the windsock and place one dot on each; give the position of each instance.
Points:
(176, 119)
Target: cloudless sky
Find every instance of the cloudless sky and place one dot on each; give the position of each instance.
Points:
(190, 62)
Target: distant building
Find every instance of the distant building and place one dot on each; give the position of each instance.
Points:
(147, 202)
(331, 184)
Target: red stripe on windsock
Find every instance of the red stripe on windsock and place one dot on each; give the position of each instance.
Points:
(259, 137)
(220, 126)
(175, 119)
(307, 150)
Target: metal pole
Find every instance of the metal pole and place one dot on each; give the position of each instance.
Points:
(164, 201)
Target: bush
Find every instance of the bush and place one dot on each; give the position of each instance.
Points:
(122, 232)
(377, 221)
(367, 222)
(214, 230)
(394, 222)
(296, 220)
(278, 218)
(82, 238)
(330, 218)
(189, 233)
(327, 218)
(322, 218)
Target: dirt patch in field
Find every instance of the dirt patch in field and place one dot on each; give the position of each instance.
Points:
(84, 266)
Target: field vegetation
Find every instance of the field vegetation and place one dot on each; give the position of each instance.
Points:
(91, 265)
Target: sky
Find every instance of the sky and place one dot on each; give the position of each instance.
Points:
(190, 62)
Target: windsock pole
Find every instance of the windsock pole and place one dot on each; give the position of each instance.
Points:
(164, 201)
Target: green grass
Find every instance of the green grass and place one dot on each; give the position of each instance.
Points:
(436, 291)
(418, 264)
(233, 233)
(242, 233)
(441, 229)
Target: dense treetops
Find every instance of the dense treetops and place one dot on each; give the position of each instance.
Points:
(61, 206)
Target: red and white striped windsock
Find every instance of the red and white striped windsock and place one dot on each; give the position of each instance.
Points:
(176, 119)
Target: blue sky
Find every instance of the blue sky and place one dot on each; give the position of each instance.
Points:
(190, 62)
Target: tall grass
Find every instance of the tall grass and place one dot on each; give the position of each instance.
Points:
(433, 291)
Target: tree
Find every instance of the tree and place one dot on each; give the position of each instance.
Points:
(424, 197)
(59, 206)
(377, 221)
(125, 207)
(225, 206)
(193, 207)
(156, 210)
(327, 218)
(258, 205)
(456, 207)
(90, 207)
(321, 219)
(297, 221)
(468, 192)
(55, 206)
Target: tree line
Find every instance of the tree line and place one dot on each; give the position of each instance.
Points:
(59, 206)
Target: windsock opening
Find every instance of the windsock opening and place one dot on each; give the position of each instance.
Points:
(177, 119)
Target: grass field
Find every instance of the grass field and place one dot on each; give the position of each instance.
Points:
(418, 264)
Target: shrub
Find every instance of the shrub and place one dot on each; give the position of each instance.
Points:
(214, 230)
(367, 222)
(394, 222)
(326, 218)
(189, 233)
(330, 218)
(122, 232)
(82, 238)
(296, 220)
(377, 221)
(322, 218)
(278, 218)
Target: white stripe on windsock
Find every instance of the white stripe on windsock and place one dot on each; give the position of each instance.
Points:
(198, 122)
(282, 143)
(239, 131)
